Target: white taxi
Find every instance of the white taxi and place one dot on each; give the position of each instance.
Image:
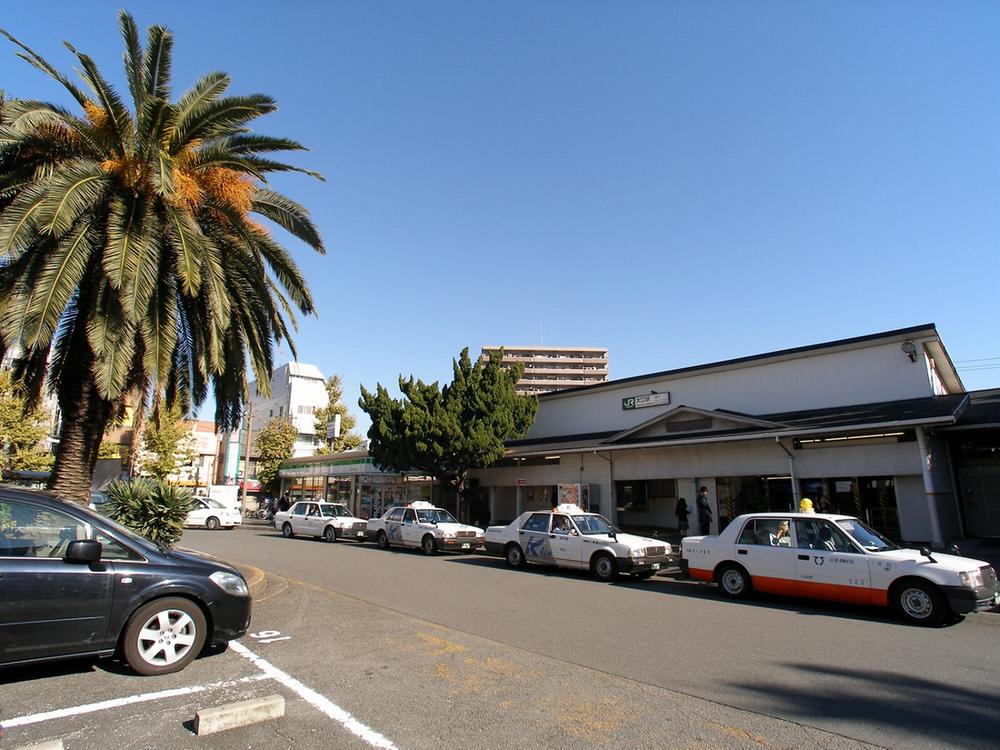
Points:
(212, 515)
(331, 521)
(420, 524)
(568, 537)
(839, 558)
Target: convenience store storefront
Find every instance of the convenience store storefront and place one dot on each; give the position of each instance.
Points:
(353, 479)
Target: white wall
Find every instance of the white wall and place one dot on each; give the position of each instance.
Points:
(880, 372)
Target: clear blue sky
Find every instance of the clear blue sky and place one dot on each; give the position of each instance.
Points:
(681, 182)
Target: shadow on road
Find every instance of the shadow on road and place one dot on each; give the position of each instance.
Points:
(960, 717)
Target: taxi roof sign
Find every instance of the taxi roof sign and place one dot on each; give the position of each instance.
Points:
(568, 508)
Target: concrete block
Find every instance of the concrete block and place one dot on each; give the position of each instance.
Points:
(232, 715)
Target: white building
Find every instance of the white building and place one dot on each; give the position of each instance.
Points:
(297, 391)
(858, 421)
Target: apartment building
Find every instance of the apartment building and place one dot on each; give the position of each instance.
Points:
(297, 391)
(554, 368)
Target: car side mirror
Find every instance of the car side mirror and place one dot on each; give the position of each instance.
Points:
(926, 552)
(83, 551)
(953, 550)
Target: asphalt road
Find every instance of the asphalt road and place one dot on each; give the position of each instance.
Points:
(854, 673)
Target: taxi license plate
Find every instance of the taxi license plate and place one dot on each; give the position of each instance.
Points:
(466, 545)
(655, 566)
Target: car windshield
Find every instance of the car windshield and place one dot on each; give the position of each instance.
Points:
(591, 525)
(866, 536)
(435, 515)
(335, 509)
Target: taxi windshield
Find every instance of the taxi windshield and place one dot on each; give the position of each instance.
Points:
(866, 536)
(435, 515)
(593, 524)
(335, 509)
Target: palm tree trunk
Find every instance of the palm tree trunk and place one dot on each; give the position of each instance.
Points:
(85, 417)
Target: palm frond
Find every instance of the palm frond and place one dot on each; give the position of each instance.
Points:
(75, 188)
(39, 62)
(211, 118)
(18, 222)
(124, 235)
(289, 215)
(56, 284)
(206, 90)
(134, 59)
(108, 98)
(112, 340)
(187, 243)
(159, 334)
(159, 54)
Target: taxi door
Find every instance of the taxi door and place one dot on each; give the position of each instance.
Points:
(767, 555)
(828, 565)
(533, 536)
(314, 520)
(565, 542)
(297, 517)
(412, 531)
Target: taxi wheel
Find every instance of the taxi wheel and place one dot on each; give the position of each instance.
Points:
(605, 567)
(734, 581)
(286, 530)
(382, 540)
(164, 636)
(920, 603)
(212, 523)
(515, 556)
(427, 545)
(329, 534)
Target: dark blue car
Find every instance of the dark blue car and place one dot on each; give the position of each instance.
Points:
(74, 583)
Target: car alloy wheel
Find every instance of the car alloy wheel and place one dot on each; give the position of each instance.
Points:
(605, 567)
(427, 545)
(329, 534)
(286, 530)
(212, 523)
(164, 636)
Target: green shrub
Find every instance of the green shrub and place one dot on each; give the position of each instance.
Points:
(151, 508)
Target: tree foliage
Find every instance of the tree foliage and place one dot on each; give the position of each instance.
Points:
(151, 508)
(448, 431)
(275, 443)
(348, 439)
(132, 259)
(167, 444)
(22, 429)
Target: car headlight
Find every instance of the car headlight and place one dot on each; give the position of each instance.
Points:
(637, 552)
(972, 579)
(445, 535)
(230, 583)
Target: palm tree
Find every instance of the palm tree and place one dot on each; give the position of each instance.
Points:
(130, 258)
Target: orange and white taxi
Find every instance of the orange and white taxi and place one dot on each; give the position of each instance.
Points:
(838, 558)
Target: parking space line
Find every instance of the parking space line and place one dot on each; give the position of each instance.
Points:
(89, 708)
(318, 701)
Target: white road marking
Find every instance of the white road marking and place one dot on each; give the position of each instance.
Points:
(272, 640)
(89, 708)
(318, 701)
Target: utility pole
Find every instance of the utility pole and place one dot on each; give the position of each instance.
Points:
(246, 455)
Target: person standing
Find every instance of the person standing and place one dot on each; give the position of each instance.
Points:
(681, 511)
(704, 512)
